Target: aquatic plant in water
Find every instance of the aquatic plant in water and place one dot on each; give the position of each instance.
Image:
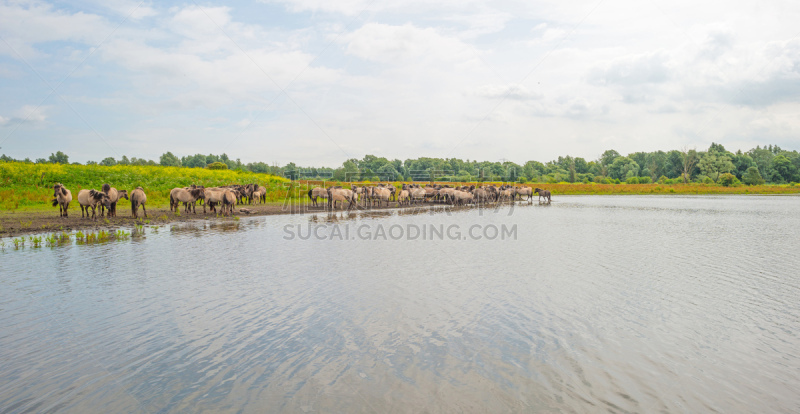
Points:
(138, 230)
(36, 241)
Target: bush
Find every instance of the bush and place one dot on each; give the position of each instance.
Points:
(632, 180)
(217, 166)
(617, 181)
(645, 180)
(752, 177)
(663, 179)
(728, 180)
(605, 180)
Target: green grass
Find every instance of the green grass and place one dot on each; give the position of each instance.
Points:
(27, 186)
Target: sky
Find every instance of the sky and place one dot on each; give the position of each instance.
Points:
(316, 82)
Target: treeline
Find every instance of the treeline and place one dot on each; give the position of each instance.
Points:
(167, 159)
(759, 165)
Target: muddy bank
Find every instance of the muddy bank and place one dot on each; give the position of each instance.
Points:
(16, 223)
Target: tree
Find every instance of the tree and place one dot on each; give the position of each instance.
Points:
(783, 169)
(763, 159)
(387, 172)
(741, 162)
(715, 163)
(581, 166)
(674, 164)
(656, 164)
(622, 168)
(290, 171)
(349, 171)
(194, 161)
(124, 160)
(688, 161)
(572, 172)
(59, 158)
(752, 177)
(108, 162)
(169, 160)
(532, 170)
(608, 157)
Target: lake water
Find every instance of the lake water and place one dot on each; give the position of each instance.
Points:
(620, 304)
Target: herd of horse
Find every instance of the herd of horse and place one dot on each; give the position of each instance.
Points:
(227, 197)
(105, 199)
(408, 194)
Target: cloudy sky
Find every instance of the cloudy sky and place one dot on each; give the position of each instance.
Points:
(319, 81)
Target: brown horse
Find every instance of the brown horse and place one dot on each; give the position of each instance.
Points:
(62, 199)
(138, 198)
(543, 193)
(92, 199)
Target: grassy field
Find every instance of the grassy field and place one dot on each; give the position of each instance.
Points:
(26, 186)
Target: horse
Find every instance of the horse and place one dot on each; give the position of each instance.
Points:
(543, 193)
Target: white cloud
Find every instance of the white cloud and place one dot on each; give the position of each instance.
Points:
(511, 91)
(27, 114)
(408, 78)
(24, 26)
(633, 70)
(387, 43)
(346, 7)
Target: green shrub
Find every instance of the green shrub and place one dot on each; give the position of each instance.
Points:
(217, 166)
(645, 180)
(728, 180)
(752, 177)
(663, 179)
(632, 180)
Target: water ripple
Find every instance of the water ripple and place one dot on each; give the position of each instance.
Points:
(621, 304)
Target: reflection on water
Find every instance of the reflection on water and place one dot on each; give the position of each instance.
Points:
(620, 304)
